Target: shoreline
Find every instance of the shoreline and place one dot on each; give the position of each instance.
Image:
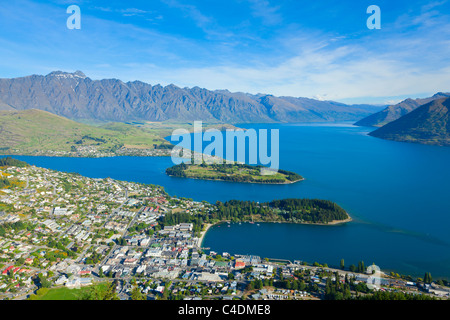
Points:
(334, 222)
(203, 233)
(255, 182)
(331, 223)
(86, 157)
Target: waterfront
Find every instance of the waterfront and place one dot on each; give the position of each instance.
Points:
(396, 194)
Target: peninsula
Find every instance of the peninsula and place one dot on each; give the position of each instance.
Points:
(232, 172)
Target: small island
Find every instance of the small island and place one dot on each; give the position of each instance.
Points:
(233, 172)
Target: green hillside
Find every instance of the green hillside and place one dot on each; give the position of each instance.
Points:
(232, 172)
(40, 132)
(428, 124)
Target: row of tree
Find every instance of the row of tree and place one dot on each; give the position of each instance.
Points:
(11, 162)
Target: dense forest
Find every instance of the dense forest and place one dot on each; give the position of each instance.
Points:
(309, 210)
(11, 162)
(177, 170)
(288, 210)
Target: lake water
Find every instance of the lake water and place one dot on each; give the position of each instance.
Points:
(397, 194)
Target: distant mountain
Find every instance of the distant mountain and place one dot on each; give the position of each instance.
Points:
(428, 124)
(75, 96)
(396, 111)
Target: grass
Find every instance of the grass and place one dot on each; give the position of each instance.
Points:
(209, 172)
(59, 294)
(62, 293)
(237, 173)
(32, 130)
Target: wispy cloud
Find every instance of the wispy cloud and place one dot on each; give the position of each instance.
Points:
(410, 55)
(264, 10)
(191, 12)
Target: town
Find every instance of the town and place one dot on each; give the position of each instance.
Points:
(62, 231)
(92, 151)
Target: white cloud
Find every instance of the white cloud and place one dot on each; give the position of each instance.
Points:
(333, 74)
(263, 9)
(392, 62)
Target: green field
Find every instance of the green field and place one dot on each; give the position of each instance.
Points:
(64, 293)
(35, 130)
(31, 132)
(233, 172)
(60, 294)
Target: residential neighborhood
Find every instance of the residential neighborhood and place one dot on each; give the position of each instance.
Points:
(64, 230)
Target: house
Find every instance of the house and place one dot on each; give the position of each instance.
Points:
(130, 261)
(78, 282)
(239, 264)
(7, 270)
(186, 226)
(61, 280)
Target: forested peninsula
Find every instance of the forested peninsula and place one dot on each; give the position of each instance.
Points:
(302, 211)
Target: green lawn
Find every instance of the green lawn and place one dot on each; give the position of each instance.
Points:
(234, 172)
(62, 293)
(32, 130)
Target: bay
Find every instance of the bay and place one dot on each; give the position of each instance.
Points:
(397, 193)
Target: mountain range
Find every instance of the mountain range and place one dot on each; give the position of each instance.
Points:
(77, 97)
(427, 124)
(396, 111)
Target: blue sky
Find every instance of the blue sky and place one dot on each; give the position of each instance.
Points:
(316, 49)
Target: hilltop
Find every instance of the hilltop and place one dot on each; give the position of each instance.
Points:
(428, 124)
(396, 111)
(40, 132)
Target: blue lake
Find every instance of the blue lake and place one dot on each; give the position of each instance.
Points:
(397, 194)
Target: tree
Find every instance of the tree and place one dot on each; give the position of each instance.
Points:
(136, 293)
(427, 278)
(361, 267)
(342, 264)
(100, 292)
(43, 281)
